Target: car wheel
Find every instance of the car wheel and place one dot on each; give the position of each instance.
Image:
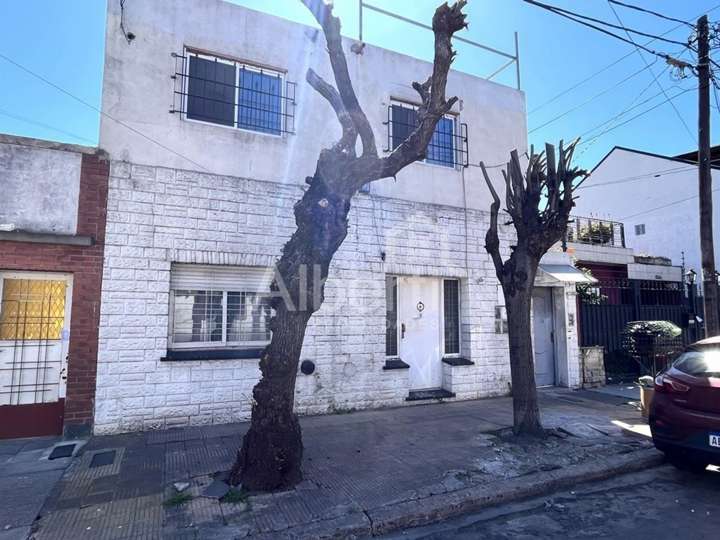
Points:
(686, 462)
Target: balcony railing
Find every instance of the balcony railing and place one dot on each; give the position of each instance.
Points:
(597, 232)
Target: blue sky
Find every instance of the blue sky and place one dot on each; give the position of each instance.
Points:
(63, 41)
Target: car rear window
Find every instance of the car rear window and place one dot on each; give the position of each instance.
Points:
(699, 363)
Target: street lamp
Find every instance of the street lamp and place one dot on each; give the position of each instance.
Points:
(690, 279)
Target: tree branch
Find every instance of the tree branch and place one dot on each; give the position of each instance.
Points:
(331, 28)
(326, 90)
(492, 241)
(446, 21)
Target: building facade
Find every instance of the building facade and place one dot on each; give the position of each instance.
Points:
(52, 229)
(211, 130)
(656, 197)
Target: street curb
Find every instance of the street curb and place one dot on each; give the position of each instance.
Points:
(442, 506)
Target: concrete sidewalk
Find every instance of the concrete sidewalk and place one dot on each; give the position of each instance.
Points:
(26, 478)
(365, 473)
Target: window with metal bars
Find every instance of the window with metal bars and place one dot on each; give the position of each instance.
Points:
(391, 316)
(451, 315)
(235, 94)
(448, 146)
(223, 307)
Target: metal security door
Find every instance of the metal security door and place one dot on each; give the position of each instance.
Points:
(419, 317)
(34, 331)
(544, 346)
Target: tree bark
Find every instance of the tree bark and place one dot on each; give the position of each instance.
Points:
(526, 413)
(271, 454)
(272, 449)
(538, 201)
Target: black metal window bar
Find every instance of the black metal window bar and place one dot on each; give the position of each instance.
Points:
(448, 146)
(451, 308)
(31, 322)
(230, 93)
(599, 232)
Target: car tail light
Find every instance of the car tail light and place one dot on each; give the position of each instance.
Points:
(663, 383)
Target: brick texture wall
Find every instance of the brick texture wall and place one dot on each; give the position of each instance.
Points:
(157, 216)
(86, 264)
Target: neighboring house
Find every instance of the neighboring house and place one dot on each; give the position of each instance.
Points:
(52, 226)
(656, 197)
(211, 130)
(629, 287)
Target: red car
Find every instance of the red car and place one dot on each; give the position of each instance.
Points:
(685, 411)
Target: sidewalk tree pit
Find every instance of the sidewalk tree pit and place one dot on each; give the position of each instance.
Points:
(271, 454)
(538, 201)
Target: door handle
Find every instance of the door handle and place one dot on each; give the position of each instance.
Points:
(402, 330)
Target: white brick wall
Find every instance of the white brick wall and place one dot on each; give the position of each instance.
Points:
(157, 216)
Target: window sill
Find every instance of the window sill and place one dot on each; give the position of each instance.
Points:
(179, 355)
(280, 136)
(457, 361)
(47, 238)
(395, 363)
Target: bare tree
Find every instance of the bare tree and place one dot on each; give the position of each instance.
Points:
(271, 453)
(538, 201)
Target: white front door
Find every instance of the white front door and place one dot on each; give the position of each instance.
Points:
(34, 330)
(543, 331)
(419, 317)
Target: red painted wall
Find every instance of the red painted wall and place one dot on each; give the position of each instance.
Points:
(85, 263)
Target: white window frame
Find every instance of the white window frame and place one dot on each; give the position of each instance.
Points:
(238, 64)
(205, 345)
(455, 117)
(442, 318)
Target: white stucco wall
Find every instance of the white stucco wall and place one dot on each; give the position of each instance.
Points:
(667, 205)
(138, 90)
(39, 188)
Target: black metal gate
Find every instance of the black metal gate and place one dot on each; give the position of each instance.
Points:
(606, 307)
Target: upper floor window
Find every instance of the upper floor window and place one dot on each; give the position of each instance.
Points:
(230, 93)
(640, 229)
(448, 145)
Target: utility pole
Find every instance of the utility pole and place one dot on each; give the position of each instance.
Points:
(707, 248)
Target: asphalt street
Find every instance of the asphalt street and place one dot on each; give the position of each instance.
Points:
(661, 503)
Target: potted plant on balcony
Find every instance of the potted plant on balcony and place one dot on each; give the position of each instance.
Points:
(596, 233)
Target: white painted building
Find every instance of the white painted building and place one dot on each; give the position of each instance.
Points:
(656, 197)
(211, 131)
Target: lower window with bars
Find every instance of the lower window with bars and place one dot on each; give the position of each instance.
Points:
(448, 146)
(223, 91)
(216, 308)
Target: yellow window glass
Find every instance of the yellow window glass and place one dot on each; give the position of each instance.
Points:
(32, 309)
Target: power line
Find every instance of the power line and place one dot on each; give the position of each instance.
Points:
(571, 15)
(612, 64)
(650, 12)
(637, 116)
(46, 126)
(93, 107)
(656, 80)
(628, 179)
(593, 98)
(622, 113)
(673, 203)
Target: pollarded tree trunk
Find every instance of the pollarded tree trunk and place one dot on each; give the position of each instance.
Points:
(526, 414)
(538, 201)
(271, 455)
(272, 449)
